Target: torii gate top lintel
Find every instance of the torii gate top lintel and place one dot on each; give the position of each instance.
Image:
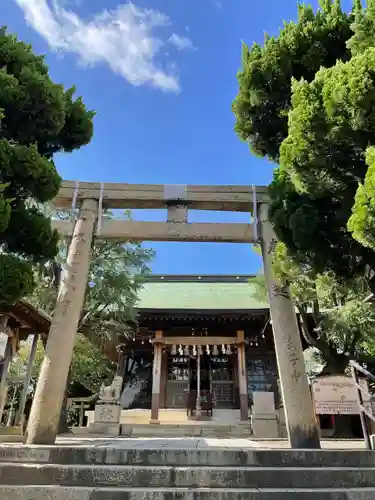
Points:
(153, 196)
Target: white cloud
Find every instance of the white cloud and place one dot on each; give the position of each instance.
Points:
(181, 42)
(124, 38)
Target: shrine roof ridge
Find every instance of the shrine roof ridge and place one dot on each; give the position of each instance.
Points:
(223, 293)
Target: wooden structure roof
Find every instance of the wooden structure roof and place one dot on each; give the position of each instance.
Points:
(207, 294)
(217, 301)
(27, 319)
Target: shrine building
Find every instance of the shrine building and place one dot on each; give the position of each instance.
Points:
(204, 351)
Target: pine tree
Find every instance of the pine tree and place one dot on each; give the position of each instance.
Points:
(38, 119)
(316, 119)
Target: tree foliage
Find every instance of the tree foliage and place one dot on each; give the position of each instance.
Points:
(302, 47)
(115, 278)
(90, 368)
(334, 315)
(316, 82)
(38, 118)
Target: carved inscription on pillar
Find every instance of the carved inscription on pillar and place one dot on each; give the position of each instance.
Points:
(272, 246)
(293, 359)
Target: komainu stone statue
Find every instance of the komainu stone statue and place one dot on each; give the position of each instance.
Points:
(111, 393)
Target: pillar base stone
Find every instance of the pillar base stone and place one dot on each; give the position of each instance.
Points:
(244, 407)
(155, 422)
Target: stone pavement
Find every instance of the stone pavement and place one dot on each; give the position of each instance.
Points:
(199, 443)
(186, 443)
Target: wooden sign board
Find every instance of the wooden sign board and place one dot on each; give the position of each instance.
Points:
(337, 395)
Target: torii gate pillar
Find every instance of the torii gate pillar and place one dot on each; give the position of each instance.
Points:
(299, 410)
(45, 411)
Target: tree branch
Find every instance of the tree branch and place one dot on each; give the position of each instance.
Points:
(313, 341)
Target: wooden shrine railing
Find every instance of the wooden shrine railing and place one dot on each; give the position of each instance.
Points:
(361, 392)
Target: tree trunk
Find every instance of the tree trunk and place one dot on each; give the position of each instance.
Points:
(336, 364)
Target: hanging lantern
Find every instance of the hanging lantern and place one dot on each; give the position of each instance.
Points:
(186, 350)
(180, 350)
(215, 351)
(223, 349)
(200, 350)
(208, 349)
(194, 350)
(174, 350)
(229, 350)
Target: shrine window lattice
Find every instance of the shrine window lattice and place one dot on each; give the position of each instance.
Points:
(178, 368)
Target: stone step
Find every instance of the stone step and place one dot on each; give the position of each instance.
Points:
(187, 477)
(180, 455)
(179, 430)
(75, 493)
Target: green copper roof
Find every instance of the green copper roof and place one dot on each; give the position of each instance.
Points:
(201, 293)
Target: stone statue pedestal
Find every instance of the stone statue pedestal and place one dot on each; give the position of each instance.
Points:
(264, 417)
(106, 419)
(264, 426)
(108, 410)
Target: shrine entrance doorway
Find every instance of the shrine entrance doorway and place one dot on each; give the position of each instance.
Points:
(223, 376)
(216, 376)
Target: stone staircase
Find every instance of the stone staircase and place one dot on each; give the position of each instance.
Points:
(204, 430)
(118, 472)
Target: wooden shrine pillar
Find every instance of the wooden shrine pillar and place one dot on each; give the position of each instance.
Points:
(163, 379)
(242, 376)
(27, 379)
(121, 361)
(156, 378)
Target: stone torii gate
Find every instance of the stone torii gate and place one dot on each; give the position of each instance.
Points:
(90, 198)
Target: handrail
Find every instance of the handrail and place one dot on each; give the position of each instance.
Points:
(360, 368)
(361, 391)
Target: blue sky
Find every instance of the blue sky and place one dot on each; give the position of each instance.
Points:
(161, 75)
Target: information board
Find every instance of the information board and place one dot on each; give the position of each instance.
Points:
(337, 395)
